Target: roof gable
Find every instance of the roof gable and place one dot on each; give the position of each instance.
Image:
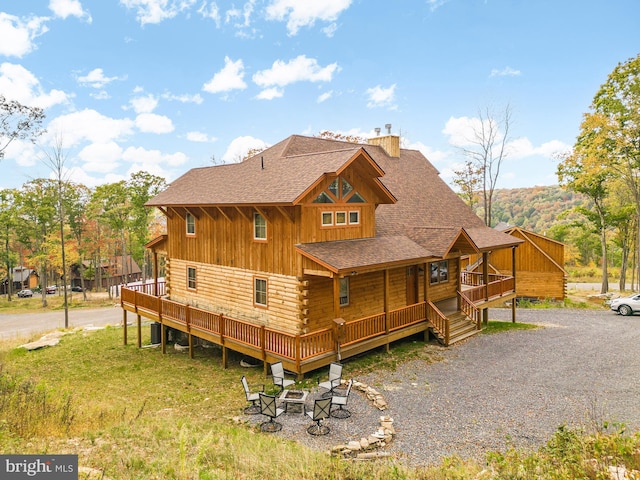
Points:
(281, 175)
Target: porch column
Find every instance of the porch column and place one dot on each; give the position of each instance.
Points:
(513, 273)
(485, 279)
(336, 296)
(458, 284)
(386, 306)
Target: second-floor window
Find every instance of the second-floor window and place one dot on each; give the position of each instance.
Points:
(259, 227)
(191, 224)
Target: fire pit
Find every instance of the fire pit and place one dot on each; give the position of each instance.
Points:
(295, 398)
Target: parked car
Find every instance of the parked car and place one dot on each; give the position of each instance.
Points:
(25, 293)
(76, 288)
(52, 289)
(626, 305)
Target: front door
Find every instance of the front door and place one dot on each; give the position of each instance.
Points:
(412, 285)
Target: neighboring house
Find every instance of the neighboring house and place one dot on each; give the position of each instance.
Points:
(539, 265)
(315, 250)
(23, 277)
(116, 270)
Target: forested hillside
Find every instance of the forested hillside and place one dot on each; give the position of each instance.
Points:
(538, 208)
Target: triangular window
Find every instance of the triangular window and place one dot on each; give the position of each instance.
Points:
(340, 190)
(356, 198)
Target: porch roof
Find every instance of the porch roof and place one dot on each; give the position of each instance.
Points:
(365, 254)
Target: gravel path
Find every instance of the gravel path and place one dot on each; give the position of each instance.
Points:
(581, 369)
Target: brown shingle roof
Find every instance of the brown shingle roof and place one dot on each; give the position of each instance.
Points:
(279, 175)
(364, 253)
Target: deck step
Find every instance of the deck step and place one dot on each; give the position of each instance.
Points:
(460, 328)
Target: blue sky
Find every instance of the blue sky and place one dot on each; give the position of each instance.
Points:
(168, 85)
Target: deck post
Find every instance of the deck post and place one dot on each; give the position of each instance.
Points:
(187, 314)
(224, 349)
(485, 279)
(139, 331)
(124, 324)
(513, 274)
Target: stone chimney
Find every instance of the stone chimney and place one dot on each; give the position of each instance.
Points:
(390, 143)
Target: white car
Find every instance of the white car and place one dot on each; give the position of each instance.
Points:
(626, 305)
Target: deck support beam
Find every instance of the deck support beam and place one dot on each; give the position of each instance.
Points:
(139, 331)
(513, 273)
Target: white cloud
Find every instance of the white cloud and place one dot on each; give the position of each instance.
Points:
(304, 14)
(17, 35)
(199, 137)
(239, 147)
(67, 8)
(185, 98)
(145, 104)
(95, 78)
(505, 72)
(325, 96)
(156, 11)
(91, 126)
(148, 160)
(18, 83)
(381, 97)
(461, 130)
(330, 30)
(210, 11)
(299, 69)
(101, 95)
(241, 19)
(152, 123)
(23, 152)
(434, 156)
(435, 4)
(101, 157)
(227, 79)
(270, 93)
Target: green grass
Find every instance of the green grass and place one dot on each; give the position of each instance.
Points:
(54, 302)
(498, 326)
(138, 414)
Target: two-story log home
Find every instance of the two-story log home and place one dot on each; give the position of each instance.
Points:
(315, 250)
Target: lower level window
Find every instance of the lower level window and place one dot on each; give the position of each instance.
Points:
(260, 291)
(191, 278)
(439, 272)
(344, 291)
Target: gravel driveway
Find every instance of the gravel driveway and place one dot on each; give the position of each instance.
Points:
(580, 369)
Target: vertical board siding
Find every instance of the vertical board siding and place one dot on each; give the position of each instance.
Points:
(227, 239)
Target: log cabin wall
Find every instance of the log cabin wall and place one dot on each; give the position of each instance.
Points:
(229, 290)
(366, 296)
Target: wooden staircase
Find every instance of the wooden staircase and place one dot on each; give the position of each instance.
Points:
(460, 326)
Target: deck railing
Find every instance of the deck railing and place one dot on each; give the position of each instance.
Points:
(263, 340)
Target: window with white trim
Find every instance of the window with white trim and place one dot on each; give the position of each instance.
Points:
(344, 291)
(354, 217)
(341, 218)
(190, 221)
(259, 227)
(260, 292)
(191, 278)
(327, 219)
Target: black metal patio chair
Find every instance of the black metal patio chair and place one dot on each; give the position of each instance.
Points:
(269, 408)
(341, 400)
(252, 396)
(321, 411)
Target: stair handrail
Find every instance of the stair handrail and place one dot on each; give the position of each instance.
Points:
(438, 320)
(470, 310)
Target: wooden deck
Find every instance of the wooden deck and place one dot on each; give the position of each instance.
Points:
(305, 352)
